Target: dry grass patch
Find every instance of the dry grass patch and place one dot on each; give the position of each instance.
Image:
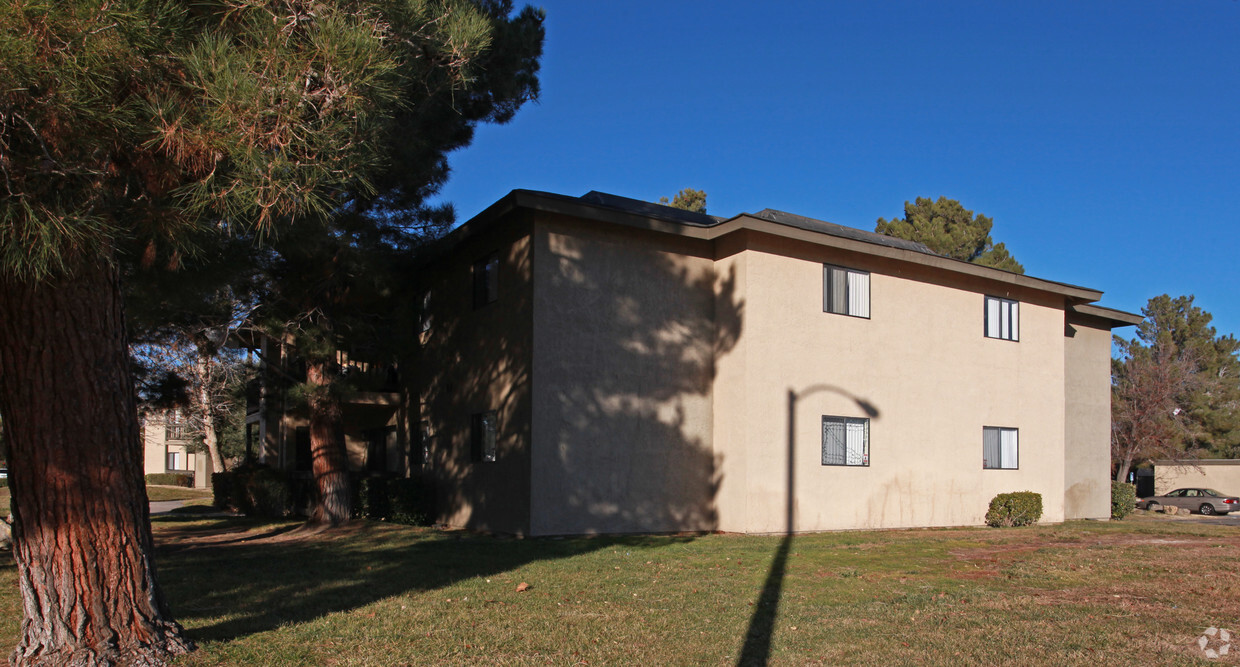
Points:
(377, 594)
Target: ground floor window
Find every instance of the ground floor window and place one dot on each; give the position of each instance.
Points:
(483, 436)
(1000, 448)
(845, 441)
(176, 461)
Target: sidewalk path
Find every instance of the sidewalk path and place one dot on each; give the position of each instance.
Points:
(165, 506)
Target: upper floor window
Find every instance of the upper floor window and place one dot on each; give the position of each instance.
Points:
(1002, 318)
(486, 280)
(1000, 448)
(845, 291)
(845, 441)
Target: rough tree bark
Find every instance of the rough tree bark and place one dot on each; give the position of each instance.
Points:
(329, 460)
(81, 532)
(203, 369)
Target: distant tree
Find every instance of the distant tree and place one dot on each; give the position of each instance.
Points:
(687, 199)
(1213, 409)
(951, 230)
(1149, 387)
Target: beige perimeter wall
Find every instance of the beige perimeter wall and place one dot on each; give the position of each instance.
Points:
(1221, 475)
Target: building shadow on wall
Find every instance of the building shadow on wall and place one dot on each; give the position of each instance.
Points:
(757, 647)
(601, 382)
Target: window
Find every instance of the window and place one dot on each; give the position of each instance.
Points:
(845, 441)
(999, 448)
(482, 437)
(424, 315)
(1002, 318)
(845, 291)
(174, 461)
(424, 435)
(486, 280)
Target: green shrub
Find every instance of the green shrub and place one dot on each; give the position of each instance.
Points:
(185, 479)
(1022, 508)
(253, 491)
(267, 494)
(396, 499)
(1123, 499)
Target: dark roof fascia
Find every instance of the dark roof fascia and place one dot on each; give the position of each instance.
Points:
(1117, 318)
(919, 257)
(574, 207)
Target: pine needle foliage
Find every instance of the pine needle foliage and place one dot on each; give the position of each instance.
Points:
(136, 124)
(951, 230)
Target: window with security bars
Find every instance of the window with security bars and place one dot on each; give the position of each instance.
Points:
(483, 437)
(845, 291)
(845, 441)
(1002, 318)
(1000, 448)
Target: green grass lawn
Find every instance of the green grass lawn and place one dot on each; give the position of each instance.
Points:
(156, 493)
(1138, 592)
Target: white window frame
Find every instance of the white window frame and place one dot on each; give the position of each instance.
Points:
(856, 441)
(854, 300)
(1001, 318)
(1000, 442)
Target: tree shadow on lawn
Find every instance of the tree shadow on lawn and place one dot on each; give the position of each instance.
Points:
(261, 579)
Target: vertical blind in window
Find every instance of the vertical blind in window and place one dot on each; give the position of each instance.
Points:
(845, 441)
(999, 448)
(845, 291)
(1002, 318)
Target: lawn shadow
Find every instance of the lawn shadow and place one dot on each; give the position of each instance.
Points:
(261, 581)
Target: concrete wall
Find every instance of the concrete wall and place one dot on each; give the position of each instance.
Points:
(475, 360)
(624, 338)
(1221, 475)
(920, 360)
(1087, 419)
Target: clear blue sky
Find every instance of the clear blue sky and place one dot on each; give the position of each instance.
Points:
(1102, 137)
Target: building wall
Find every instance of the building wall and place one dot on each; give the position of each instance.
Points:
(475, 360)
(624, 337)
(1221, 475)
(1087, 419)
(155, 448)
(921, 361)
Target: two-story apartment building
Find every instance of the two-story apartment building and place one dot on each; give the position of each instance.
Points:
(600, 364)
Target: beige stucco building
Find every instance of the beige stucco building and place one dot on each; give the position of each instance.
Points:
(166, 439)
(600, 364)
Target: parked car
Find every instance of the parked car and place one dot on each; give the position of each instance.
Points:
(1206, 501)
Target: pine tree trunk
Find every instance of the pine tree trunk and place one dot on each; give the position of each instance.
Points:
(329, 460)
(81, 532)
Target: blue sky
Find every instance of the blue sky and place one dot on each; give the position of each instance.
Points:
(1102, 137)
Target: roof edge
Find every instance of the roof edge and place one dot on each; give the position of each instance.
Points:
(576, 206)
(1118, 318)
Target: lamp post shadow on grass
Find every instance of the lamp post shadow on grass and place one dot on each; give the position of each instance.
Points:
(757, 647)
